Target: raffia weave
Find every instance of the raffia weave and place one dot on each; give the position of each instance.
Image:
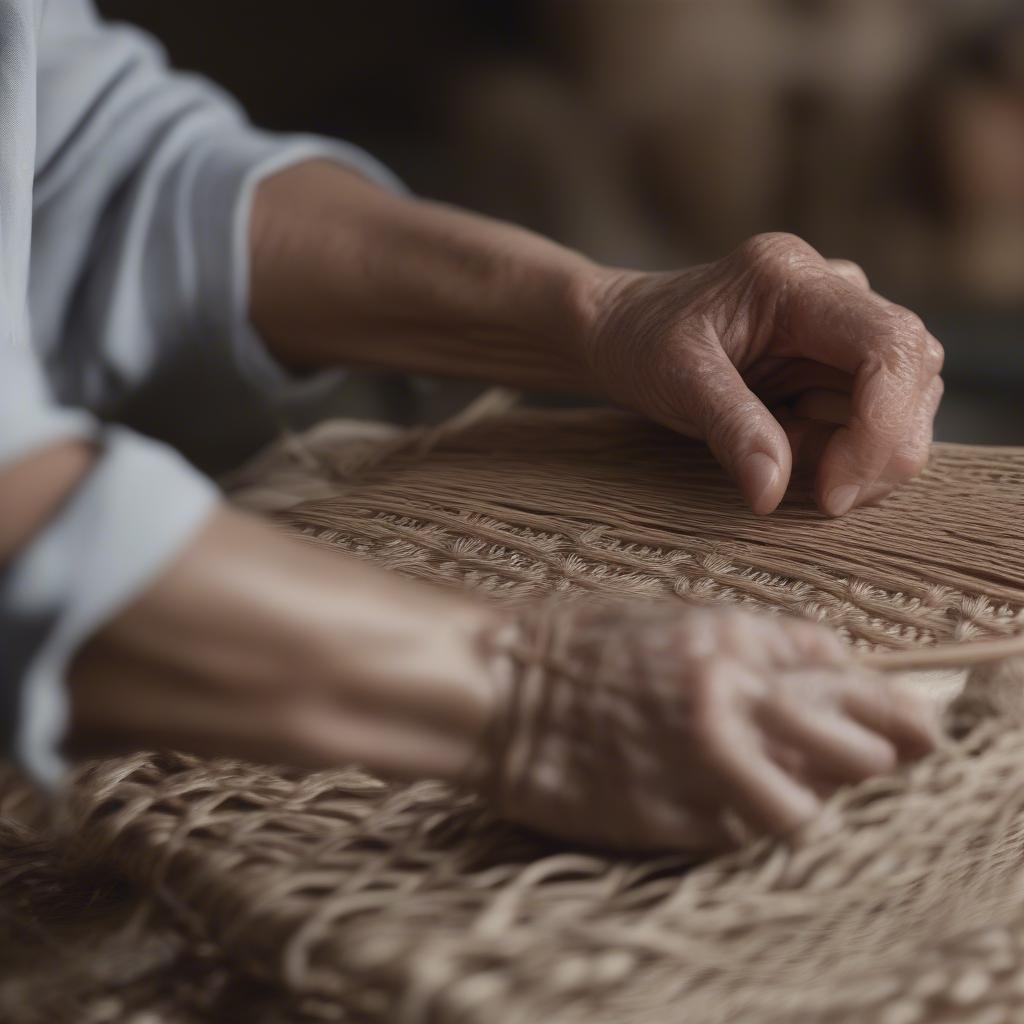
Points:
(354, 900)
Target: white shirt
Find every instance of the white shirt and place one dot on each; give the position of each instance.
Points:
(124, 200)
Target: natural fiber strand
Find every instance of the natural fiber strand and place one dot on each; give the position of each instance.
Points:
(903, 902)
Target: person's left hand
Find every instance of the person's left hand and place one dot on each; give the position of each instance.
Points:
(651, 726)
(852, 379)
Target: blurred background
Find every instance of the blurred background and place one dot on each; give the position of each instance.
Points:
(654, 133)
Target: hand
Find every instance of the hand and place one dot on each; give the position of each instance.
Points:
(660, 728)
(853, 379)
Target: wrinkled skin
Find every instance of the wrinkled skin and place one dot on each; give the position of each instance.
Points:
(659, 728)
(775, 357)
(644, 726)
(676, 729)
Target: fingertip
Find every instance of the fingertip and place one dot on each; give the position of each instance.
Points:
(789, 825)
(906, 718)
(923, 732)
(763, 482)
(841, 499)
(876, 493)
(842, 482)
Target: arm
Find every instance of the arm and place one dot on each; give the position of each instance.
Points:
(645, 727)
(291, 657)
(772, 355)
(126, 249)
(345, 272)
(137, 554)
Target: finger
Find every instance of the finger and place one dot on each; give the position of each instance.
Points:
(795, 763)
(769, 799)
(808, 440)
(908, 720)
(743, 435)
(765, 796)
(824, 406)
(910, 458)
(811, 643)
(851, 272)
(788, 642)
(924, 427)
(888, 351)
(668, 826)
(791, 760)
(861, 449)
(935, 356)
(780, 380)
(834, 746)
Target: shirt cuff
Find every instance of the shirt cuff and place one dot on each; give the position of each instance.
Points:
(236, 166)
(129, 518)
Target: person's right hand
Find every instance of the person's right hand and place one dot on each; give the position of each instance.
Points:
(660, 728)
(776, 357)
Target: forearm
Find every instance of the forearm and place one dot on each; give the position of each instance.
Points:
(253, 645)
(346, 272)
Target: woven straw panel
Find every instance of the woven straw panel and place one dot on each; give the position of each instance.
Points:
(371, 902)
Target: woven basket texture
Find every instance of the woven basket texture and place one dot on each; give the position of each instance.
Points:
(184, 889)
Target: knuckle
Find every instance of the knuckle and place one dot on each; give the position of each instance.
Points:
(774, 254)
(895, 357)
(906, 335)
(850, 268)
(813, 640)
(935, 355)
(736, 627)
(908, 462)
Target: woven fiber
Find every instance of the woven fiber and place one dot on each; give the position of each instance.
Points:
(372, 902)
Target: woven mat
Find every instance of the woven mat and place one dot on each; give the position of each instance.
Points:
(224, 891)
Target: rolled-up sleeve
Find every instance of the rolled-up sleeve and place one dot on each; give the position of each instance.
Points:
(145, 178)
(124, 324)
(134, 512)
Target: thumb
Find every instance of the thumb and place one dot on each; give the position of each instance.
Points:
(742, 434)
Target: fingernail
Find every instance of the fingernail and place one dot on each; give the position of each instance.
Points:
(760, 474)
(841, 499)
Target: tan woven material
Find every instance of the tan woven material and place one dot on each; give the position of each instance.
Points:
(368, 902)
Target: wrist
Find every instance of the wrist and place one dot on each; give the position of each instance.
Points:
(411, 670)
(593, 294)
(585, 292)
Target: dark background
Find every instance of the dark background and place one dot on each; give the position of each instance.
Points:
(655, 133)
